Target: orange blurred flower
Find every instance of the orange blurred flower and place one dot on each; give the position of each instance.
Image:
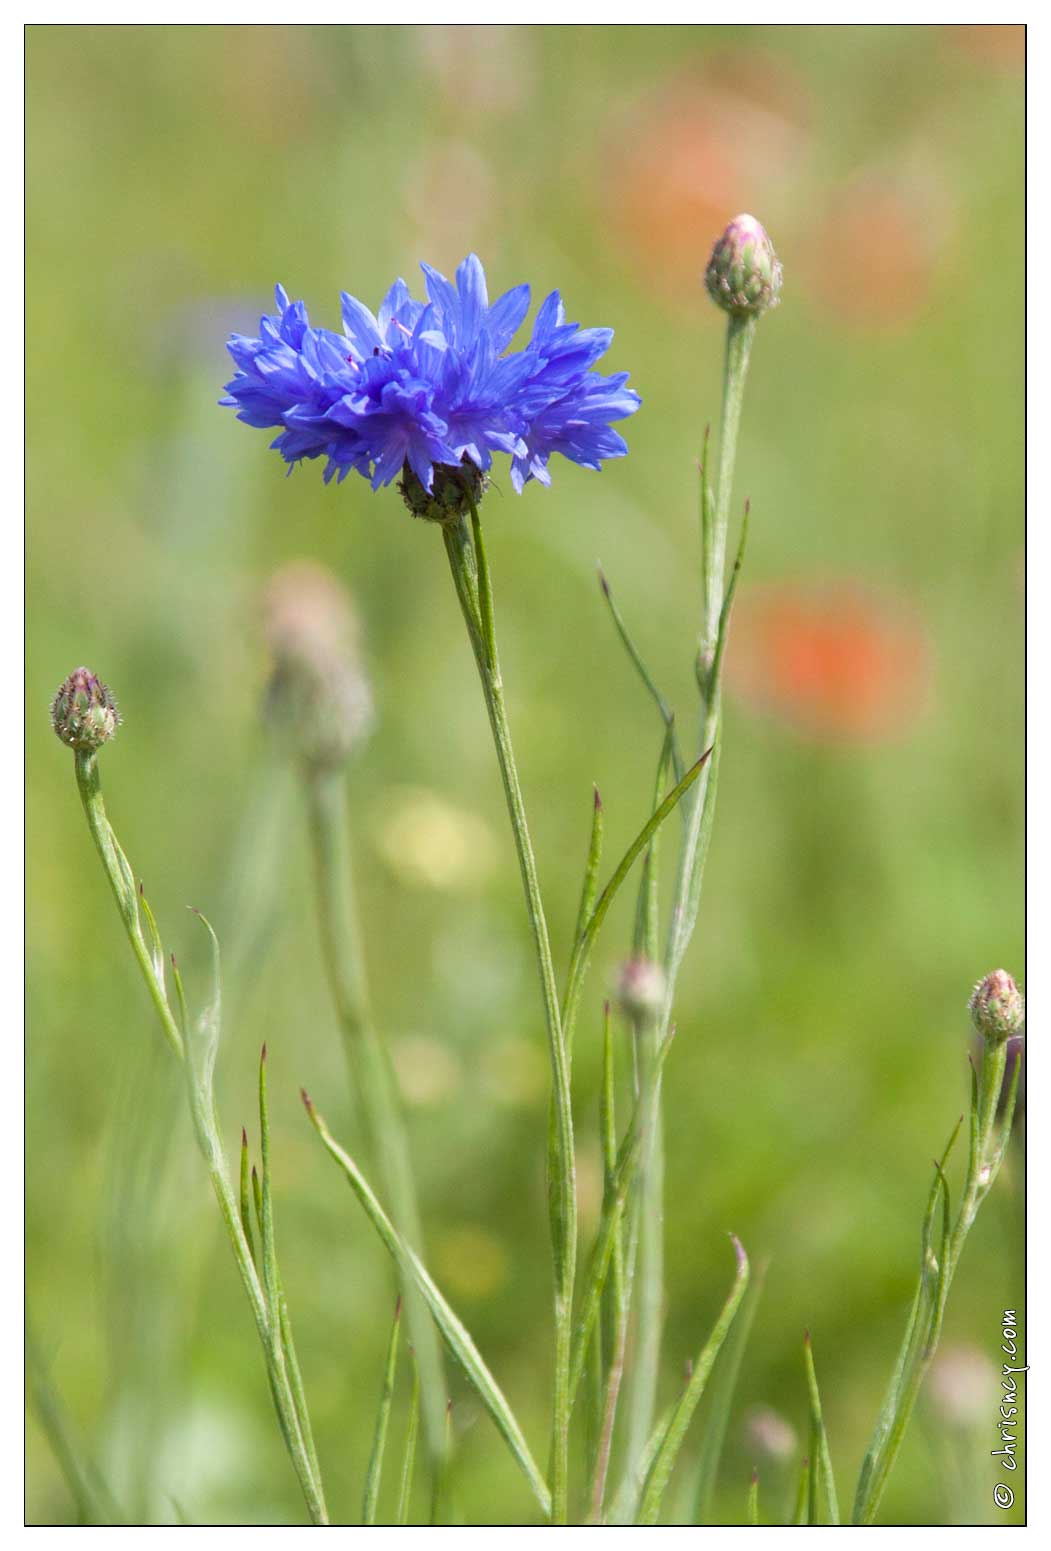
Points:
(999, 44)
(701, 145)
(830, 659)
(873, 257)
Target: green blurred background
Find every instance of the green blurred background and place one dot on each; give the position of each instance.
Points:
(867, 860)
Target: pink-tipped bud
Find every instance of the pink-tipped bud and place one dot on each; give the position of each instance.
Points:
(83, 713)
(997, 1007)
(744, 274)
(641, 988)
(769, 1434)
(318, 702)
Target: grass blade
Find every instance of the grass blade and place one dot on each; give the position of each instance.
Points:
(408, 1463)
(667, 1454)
(452, 1330)
(590, 886)
(823, 1498)
(245, 1199)
(379, 1437)
(667, 715)
(752, 1513)
(801, 1512)
(586, 941)
(720, 1400)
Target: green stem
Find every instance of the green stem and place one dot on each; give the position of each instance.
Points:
(646, 1371)
(470, 573)
(740, 334)
(988, 1143)
(122, 882)
(716, 599)
(367, 1055)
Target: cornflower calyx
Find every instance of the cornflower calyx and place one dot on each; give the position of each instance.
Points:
(744, 274)
(452, 491)
(997, 1007)
(83, 713)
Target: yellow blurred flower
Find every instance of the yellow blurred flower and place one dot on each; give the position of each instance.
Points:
(426, 842)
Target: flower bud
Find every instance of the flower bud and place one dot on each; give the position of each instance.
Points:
(997, 1007)
(641, 988)
(318, 701)
(744, 275)
(83, 713)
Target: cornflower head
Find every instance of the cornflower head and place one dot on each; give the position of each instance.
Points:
(428, 390)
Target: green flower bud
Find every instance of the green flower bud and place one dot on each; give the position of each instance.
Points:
(83, 713)
(318, 702)
(743, 275)
(447, 498)
(641, 988)
(997, 1007)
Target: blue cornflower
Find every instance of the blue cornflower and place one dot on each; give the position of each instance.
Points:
(426, 386)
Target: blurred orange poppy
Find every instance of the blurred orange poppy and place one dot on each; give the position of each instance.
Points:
(873, 256)
(830, 659)
(701, 145)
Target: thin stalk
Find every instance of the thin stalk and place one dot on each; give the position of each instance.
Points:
(122, 882)
(988, 1142)
(202, 1104)
(716, 604)
(379, 1437)
(470, 573)
(367, 1055)
(646, 1371)
(409, 1457)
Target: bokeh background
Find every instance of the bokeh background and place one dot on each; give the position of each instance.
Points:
(867, 860)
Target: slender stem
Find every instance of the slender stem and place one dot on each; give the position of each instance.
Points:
(202, 1103)
(122, 882)
(646, 1370)
(715, 610)
(367, 1055)
(921, 1339)
(467, 562)
(740, 334)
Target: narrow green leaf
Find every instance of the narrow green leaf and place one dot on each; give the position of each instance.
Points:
(728, 601)
(440, 1488)
(823, 1498)
(647, 926)
(890, 1423)
(621, 1509)
(586, 941)
(156, 949)
(593, 1280)
(801, 1512)
(664, 1463)
(719, 1401)
(452, 1330)
(379, 1436)
(590, 886)
(752, 1514)
(408, 1464)
(245, 1199)
(1000, 1150)
(94, 1500)
(667, 715)
(266, 1214)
